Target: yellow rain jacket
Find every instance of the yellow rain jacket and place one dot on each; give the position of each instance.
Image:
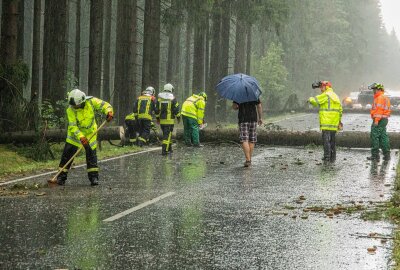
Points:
(194, 107)
(82, 123)
(330, 109)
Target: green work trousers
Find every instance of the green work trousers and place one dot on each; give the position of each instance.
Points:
(379, 139)
(191, 131)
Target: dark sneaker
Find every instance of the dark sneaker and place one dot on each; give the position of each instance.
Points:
(386, 157)
(94, 181)
(247, 163)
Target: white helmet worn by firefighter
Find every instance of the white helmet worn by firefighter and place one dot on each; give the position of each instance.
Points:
(76, 97)
(168, 88)
(149, 91)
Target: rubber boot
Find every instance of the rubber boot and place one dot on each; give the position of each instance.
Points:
(94, 181)
(164, 150)
(61, 180)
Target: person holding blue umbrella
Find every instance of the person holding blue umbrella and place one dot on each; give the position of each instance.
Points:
(245, 93)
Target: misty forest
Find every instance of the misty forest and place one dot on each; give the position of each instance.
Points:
(115, 49)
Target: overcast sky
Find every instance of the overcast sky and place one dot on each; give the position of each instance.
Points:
(390, 15)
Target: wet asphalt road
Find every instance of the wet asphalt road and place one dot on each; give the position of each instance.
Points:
(351, 122)
(221, 215)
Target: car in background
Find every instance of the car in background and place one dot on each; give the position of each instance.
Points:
(366, 97)
(350, 100)
(394, 97)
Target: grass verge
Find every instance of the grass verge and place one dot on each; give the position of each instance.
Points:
(17, 160)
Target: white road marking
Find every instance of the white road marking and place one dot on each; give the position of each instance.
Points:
(140, 206)
(78, 166)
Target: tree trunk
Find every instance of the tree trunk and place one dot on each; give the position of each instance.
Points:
(240, 45)
(21, 34)
(107, 50)
(36, 50)
(172, 43)
(95, 47)
(188, 53)
(35, 82)
(214, 63)
(78, 41)
(55, 50)
(9, 32)
(151, 44)
(248, 49)
(198, 58)
(125, 58)
(224, 54)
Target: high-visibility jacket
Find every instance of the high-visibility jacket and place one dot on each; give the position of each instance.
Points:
(194, 107)
(330, 109)
(131, 116)
(381, 107)
(168, 108)
(82, 123)
(144, 107)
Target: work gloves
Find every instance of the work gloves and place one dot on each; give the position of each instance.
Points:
(110, 116)
(85, 142)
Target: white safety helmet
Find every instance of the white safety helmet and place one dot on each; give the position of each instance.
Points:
(168, 88)
(76, 97)
(149, 91)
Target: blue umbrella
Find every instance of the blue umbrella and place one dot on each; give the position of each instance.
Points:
(239, 88)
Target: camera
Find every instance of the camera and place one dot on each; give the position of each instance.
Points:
(316, 85)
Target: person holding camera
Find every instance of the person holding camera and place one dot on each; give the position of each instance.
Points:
(330, 116)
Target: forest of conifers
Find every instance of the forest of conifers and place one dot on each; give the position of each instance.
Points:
(113, 49)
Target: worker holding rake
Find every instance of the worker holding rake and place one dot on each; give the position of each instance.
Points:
(82, 130)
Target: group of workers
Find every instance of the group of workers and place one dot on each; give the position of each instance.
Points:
(165, 108)
(330, 115)
(82, 127)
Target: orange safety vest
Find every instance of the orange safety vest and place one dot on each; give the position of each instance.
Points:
(381, 107)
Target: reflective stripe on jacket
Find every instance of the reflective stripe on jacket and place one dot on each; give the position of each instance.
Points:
(82, 123)
(381, 107)
(168, 108)
(330, 109)
(194, 107)
(131, 116)
(144, 107)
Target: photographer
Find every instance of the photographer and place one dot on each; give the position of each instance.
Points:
(330, 115)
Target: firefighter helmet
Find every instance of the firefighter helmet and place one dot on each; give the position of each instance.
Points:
(76, 97)
(168, 88)
(149, 91)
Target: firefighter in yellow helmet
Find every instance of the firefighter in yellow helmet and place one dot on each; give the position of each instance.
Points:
(168, 110)
(193, 118)
(81, 126)
(144, 109)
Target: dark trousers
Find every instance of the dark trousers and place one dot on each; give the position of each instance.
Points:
(91, 161)
(167, 141)
(144, 131)
(329, 140)
(131, 126)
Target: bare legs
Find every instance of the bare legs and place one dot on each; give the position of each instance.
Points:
(248, 148)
